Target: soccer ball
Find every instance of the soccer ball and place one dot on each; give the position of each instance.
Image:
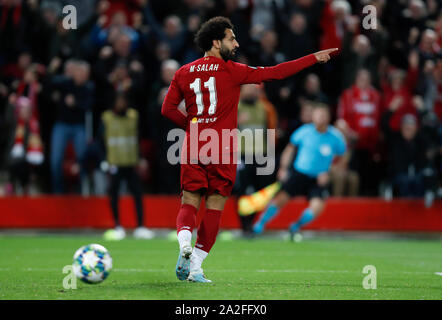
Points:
(92, 263)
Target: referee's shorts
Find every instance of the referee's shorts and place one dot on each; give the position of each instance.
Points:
(299, 184)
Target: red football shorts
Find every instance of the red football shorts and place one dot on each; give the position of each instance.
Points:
(210, 178)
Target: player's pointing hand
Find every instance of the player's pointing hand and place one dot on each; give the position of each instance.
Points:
(324, 55)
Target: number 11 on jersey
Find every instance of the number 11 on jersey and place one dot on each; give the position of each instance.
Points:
(211, 86)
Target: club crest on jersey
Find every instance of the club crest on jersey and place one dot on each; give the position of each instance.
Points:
(204, 67)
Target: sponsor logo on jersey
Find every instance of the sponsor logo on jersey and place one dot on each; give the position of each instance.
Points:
(203, 120)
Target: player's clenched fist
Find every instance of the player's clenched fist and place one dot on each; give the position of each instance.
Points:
(324, 55)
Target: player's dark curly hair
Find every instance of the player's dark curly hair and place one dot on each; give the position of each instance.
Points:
(213, 29)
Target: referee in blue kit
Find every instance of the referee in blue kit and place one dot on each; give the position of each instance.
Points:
(315, 145)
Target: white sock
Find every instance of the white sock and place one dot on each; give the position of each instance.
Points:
(184, 238)
(197, 258)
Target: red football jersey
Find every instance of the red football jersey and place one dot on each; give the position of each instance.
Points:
(361, 109)
(210, 88)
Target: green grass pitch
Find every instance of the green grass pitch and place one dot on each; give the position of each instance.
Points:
(31, 268)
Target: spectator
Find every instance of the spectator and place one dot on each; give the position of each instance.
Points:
(312, 90)
(118, 68)
(268, 51)
(337, 27)
(168, 69)
(398, 91)
(165, 175)
(66, 43)
(410, 18)
(191, 52)
(410, 168)
(161, 53)
(379, 37)
(344, 179)
(428, 46)
(27, 150)
(278, 92)
(360, 108)
(262, 18)
(297, 41)
(119, 52)
(310, 9)
(430, 86)
(13, 25)
(335, 17)
(74, 99)
(105, 34)
(357, 53)
(127, 7)
(50, 39)
(127, 42)
(437, 76)
(173, 32)
(128, 80)
(14, 72)
(28, 86)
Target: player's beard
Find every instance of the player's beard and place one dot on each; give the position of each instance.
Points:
(227, 54)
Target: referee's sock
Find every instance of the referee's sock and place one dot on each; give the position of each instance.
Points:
(306, 217)
(271, 212)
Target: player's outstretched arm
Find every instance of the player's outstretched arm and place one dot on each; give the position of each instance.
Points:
(244, 74)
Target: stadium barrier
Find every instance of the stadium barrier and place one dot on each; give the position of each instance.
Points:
(364, 214)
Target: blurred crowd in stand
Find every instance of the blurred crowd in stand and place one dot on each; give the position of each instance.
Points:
(384, 87)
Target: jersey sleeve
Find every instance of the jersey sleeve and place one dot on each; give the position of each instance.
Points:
(171, 104)
(243, 74)
(297, 136)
